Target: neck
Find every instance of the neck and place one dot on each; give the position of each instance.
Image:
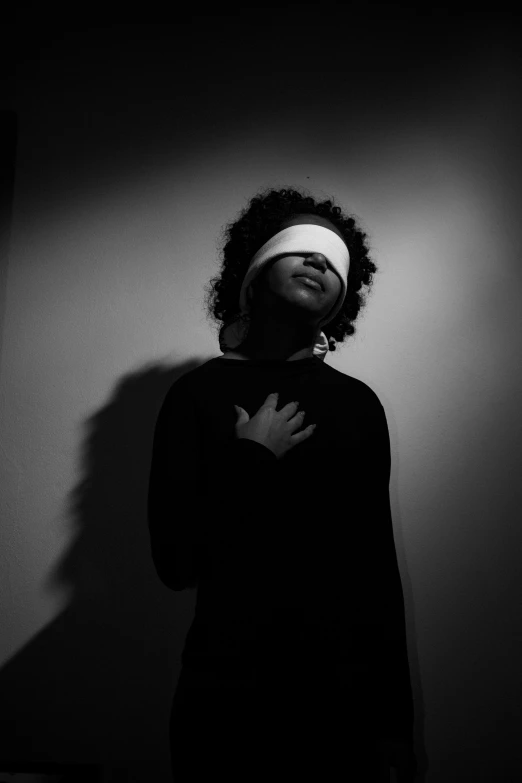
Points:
(268, 342)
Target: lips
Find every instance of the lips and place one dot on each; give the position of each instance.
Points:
(312, 280)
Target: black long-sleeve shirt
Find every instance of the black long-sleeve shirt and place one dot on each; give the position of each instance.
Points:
(294, 558)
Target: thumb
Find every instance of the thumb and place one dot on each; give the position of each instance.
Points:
(242, 415)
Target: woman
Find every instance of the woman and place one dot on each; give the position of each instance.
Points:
(296, 661)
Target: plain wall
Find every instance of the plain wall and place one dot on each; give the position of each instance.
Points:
(136, 144)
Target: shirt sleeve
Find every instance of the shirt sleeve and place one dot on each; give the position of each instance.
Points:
(182, 492)
(389, 655)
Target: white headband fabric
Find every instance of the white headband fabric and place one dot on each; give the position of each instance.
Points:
(303, 238)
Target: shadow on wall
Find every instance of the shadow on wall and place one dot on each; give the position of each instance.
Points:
(96, 684)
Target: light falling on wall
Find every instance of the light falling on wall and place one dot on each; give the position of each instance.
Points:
(129, 166)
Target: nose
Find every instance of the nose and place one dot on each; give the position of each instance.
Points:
(317, 259)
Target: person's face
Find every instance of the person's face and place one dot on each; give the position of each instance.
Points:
(281, 276)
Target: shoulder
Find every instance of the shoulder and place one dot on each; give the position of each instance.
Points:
(349, 384)
(188, 381)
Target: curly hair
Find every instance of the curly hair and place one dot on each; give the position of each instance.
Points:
(259, 221)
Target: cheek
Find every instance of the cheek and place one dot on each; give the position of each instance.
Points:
(280, 276)
(337, 287)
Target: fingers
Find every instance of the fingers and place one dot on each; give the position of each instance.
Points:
(303, 435)
(295, 422)
(290, 412)
(290, 409)
(275, 396)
